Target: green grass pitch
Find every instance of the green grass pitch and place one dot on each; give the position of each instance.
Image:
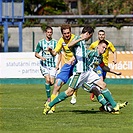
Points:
(21, 108)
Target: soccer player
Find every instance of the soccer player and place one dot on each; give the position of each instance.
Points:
(94, 83)
(110, 47)
(99, 70)
(84, 75)
(48, 66)
(67, 59)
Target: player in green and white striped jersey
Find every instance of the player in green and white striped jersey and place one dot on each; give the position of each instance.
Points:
(91, 81)
(47, 61)
(95, 59)
(80, 53)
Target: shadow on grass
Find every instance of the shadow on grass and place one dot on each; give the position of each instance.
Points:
(85, 111)
(81, 111)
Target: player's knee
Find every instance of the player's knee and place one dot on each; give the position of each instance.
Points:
(104, 85)
(95, 90)
(47, 81)
(69, 91)
(51, 83)
(56, 88)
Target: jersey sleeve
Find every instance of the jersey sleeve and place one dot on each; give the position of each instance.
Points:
(38, 48)
(58, 46)
(76, 38)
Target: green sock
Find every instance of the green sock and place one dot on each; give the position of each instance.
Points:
(106, 93)
(62, 96)
(101, 99)
(47, 86)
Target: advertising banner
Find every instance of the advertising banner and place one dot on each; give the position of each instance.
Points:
(124, 64)
(19, 65)
(26, 65)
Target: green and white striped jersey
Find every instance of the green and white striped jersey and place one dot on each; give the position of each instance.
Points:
(42, 47)
(80, 52)
(94, 59)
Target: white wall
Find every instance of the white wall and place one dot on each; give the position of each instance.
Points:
(121, 37)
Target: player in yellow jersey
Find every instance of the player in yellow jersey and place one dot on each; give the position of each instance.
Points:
(101, 36)
(67, 59)
(62, 44)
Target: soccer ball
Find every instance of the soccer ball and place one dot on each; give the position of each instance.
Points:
(108, 107)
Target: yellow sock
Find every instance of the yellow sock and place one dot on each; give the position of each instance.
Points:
(52, 98)
(75, 93)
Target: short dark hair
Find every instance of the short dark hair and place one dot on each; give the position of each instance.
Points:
(48, 27)
(88, 29)
(101, 31)
(103, 41)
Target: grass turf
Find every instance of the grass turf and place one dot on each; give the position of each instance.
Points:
(21, 108)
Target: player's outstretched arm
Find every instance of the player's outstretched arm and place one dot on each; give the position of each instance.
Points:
(115, 72)
(107, 69)
(72, 43)
(115, 57)
(82, 37)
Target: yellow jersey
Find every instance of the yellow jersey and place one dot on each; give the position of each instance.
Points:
(110, 47)
(62, 45)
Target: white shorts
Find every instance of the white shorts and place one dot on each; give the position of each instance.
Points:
(90, 77)
(93, 77)
(48, 71)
